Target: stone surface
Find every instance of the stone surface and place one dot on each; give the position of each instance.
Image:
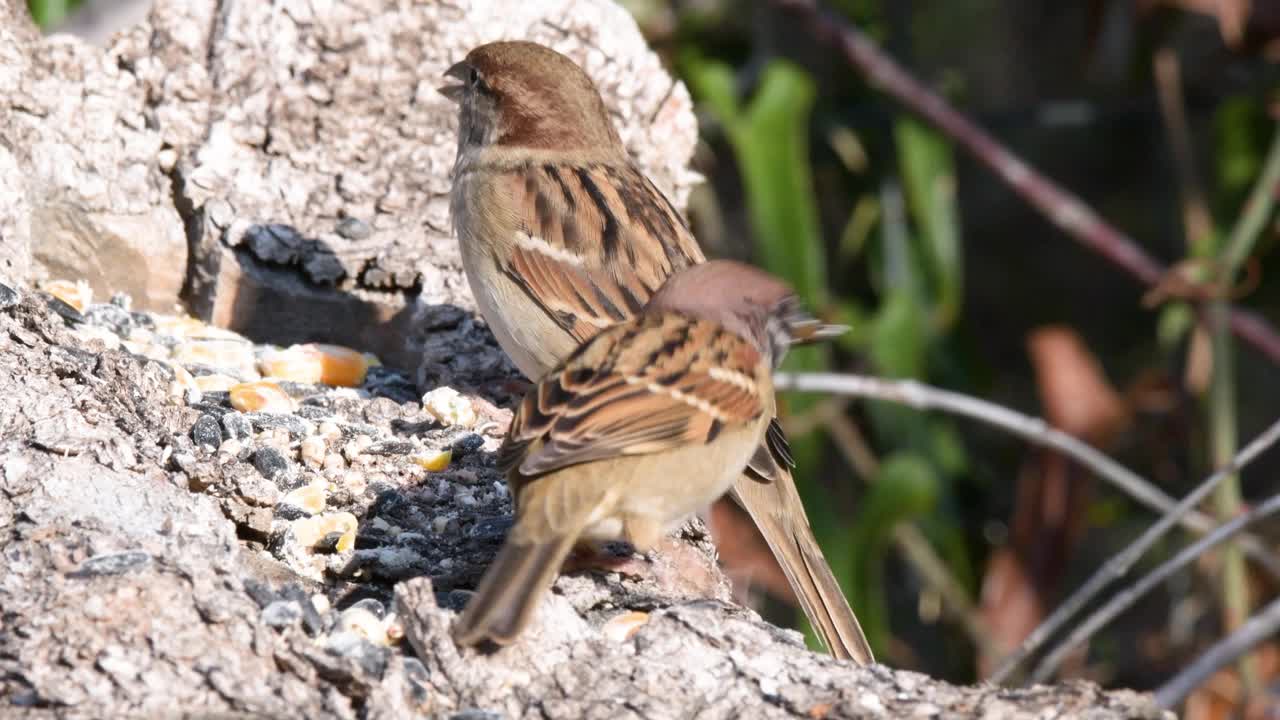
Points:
(85, 192)
(313, 153)
(286, 166)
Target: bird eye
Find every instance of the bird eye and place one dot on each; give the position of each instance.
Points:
(475, 78)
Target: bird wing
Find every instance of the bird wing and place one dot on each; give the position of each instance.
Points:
(773, 457)
(641, 387)
(593, 242)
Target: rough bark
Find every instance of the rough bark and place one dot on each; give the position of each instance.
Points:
(282, 167)
(148, 574)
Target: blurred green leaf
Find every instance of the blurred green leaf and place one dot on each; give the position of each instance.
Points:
(847, 146)
(713, 84)
(928, 173)
(946, 448)
(906, 488)
(1175, 321)
(863, 219)
(851, 313)
(899, 269)
(1239, 147)
(898, 336)
(49, 13)
(770, 139)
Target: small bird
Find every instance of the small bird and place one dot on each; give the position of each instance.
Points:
(562, 236)
(645, 424)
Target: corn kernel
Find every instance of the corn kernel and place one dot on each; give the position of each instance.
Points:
(449, 407)
(232, 354)
(77, 294)
(216, 382)
(435, 461)
(622, 627)
(310, 531)
(308, 497)
(317, 363)
(262, 396)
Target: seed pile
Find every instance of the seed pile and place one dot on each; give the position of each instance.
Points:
(324, 459)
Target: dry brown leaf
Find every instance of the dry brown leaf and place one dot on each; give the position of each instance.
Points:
(1052, 496)
(1221, 698)
(1073, 389)
(1010, 606)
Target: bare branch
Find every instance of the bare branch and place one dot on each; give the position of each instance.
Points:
(1059, 206)
(1124, 599)
(1263, 625)
(1196, 219)
(924, 397)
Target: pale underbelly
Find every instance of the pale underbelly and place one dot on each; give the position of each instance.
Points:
(666, 499)
(533, 341)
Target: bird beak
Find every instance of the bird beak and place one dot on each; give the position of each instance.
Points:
(457, 71)
(802, 328)
(810, 330)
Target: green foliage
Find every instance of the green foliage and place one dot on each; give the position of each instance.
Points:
(899, 338)
(1175, 321)
(49, 13)
(929, 177)
(906, 488)
(1239, 144)
(770, 141)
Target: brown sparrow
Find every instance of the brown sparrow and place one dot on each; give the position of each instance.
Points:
(562, 236)
(645, 424)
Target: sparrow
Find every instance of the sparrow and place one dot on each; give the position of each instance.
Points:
(642, 426)
(562, 236)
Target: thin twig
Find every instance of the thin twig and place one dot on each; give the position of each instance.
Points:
(1196, 219)
(1059, 206)
(1120, 564)
(1220, 398)
(913, 544)
(1257, 209)
(1262, 626)
(1124, 599)
(924, 397)
(803, 423)
(851, 443)
(1222, 389)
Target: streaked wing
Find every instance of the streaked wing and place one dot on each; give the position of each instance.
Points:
(778, 445)
(577, 222)
(773, 457)
(637, 388)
